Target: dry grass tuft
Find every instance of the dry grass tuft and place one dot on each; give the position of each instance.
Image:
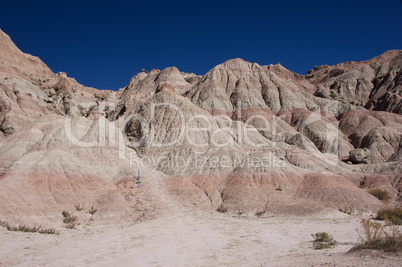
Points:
(375, 237)
(222, 209)
(93, 210)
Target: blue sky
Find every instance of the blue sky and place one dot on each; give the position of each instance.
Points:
(104, 43)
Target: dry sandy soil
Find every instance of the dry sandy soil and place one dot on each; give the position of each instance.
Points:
(184, 236)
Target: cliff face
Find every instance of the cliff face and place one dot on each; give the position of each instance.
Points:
(249, 136)
(13, 61)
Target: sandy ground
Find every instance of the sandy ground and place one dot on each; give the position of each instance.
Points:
(185, 236)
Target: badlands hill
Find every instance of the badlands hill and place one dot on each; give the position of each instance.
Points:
(250, 137)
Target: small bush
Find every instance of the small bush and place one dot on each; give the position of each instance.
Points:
(69, 220)
(93, 210)
(259, 213)
(27, 229)
(375, 237)
(71, 225)
(49, 231)
(323, 240)
(346, 210)
(222, 209)
(391, 215)
(380, 194)
(23, 228)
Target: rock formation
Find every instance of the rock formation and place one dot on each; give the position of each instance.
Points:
(249, 137)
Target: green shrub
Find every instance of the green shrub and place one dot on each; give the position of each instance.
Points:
(222, 209)
(323, 240)
(391, 215)
(380, 194)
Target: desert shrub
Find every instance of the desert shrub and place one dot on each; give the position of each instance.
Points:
(346, 210)
(323, 240)
(78, 207)
(222, 209)
(260, 212)
(23, 228)
(391, 215)
(375, 237)
(27, 229)
(93, 210)
(380, 194)
(71, 225)
(371, 231)
(69, 219)
(49, 231)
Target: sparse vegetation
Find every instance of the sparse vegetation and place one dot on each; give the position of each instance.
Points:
(78, 207)
(93, 210)
(222, 209)
(27, 229)
(37, 82)
(259, 213)
(71, 225)
(69, 220)
(49, 231)
(346, 210)
(99, 97)
(380, 194)
(391, 215)
(323, 240)
(375, 237)
(362, 183)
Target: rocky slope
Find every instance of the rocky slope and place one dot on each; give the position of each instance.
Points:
(253, 138)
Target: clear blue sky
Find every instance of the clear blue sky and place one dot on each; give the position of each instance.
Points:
(104, 43)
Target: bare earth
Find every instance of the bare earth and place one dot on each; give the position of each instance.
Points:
(184, 236)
